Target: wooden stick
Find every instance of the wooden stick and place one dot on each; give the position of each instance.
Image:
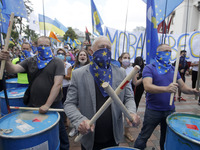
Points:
(35, 108)
(3, 62)
(109, 100)
(198, 77)
(116, 99)
(175, 73)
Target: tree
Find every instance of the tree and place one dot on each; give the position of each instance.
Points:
(71, 34)
(30, 34)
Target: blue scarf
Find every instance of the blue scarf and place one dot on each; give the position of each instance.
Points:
(25, 54)
(44, 56)
(162, 62)
(100, 68)
(34, 49)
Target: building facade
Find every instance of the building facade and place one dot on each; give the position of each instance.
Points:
(181, 23)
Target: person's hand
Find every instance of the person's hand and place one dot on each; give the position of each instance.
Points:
(182, 71)
(172, 88)
(136, 120)
(4, 55)
(85, 128)
(43, 109)
(196, 92)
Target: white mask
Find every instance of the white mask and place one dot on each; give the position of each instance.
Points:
(126, 62)
(82, 62)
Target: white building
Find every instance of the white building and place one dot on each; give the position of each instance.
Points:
(179, 24)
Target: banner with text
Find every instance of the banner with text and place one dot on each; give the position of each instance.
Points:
(132, 42)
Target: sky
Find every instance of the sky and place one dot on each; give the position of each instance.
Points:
(77, 13)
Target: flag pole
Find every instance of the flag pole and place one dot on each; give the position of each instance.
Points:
(44, 18)
(125, 26)
(3, 79)
(164, 24)
(143, 42)
(186, 25)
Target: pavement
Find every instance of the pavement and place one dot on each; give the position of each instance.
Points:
(190, 106)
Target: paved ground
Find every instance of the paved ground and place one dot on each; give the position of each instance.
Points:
(190, 106)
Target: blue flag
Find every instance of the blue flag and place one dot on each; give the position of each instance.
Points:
(152, 34)
(4, 22)
(161, 5)
(96, 20)
(16, 6)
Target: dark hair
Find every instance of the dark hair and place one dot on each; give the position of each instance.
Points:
(77, 63)
(140, 62)
(26, 43)
(61, 49)
(87, 46)
(122, 55)
(120, 60)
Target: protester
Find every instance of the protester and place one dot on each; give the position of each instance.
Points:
(125, 60)
(22, 78)
(86, 93)
(195, 69)
(183, 67)
(157, 80)
(70, 57)
(61, 53)
(82, 59)
(138, 87)
(46, 75)
(89, 50)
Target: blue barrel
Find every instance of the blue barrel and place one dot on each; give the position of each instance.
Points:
(11, 83)
(30, 130)
(15, 98)
(120, 148)
(183, 132)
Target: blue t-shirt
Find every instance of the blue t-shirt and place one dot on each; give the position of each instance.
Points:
(159, 101)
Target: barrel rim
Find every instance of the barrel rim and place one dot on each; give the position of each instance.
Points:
(181, 135)
(33, 134)
(120, 147)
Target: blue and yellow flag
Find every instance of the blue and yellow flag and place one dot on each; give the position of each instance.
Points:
(96, 20)
(51, 25)
(16, 6)
(77, 41)
(152, 34)
(162, 5)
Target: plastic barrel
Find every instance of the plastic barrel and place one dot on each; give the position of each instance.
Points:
(183, 132)
(15, 98)
(11, 83)
(30, 131)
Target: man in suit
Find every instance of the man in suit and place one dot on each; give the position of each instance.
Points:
(86, 93)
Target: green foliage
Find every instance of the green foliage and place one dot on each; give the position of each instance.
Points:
(70, 33)
(30, 34)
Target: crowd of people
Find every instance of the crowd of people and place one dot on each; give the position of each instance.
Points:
(72, 79)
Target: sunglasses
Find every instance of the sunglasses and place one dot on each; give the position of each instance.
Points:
(60, 54)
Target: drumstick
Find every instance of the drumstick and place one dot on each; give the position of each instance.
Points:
(198, 76)
(109, 100)
(35, 108)
(175, 73)
(6, 44)
(116, 99)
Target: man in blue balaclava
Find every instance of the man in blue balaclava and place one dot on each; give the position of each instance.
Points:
(45, 73)
(87, 94)
(158, 84)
